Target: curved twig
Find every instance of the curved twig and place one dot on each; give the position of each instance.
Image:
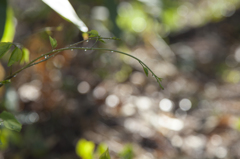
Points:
(71, 47)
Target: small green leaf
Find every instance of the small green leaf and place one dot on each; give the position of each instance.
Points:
(101, 148)
(105, 155)
(114, 38)
(6, 81)
(53, 42)
(4, 47)
(0, 142)
(84, 149)
(101, 40)
(25, 56)
(93, 33)
(15, 56)
(145, 70)
(159, 81)
(127, 152)
(10, 121)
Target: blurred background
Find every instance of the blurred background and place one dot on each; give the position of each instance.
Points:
(106, 98)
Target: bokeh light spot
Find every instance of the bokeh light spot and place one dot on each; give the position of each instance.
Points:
(99, 92)
(185, 104)
(221, 152)
(166, 105)
(83, 87)
(139, 24)
(112, 101)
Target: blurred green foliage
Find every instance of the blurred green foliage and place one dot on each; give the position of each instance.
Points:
(127, 152)
(10, 121)
(86, 150)
(9, 137)
(129, 20)
(7, 28)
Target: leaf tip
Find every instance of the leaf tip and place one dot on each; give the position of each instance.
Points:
(53, 42)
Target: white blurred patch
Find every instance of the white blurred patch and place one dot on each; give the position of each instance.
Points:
(216, 140)
(166, 105)
(83, 87)
(177, 141)
(143, 103)
(112, 100)
(185, 104)
(128, 109)
(131, 125)
(33, 117)
(137, 78)
(30, 91)
(170, 123)
(65, 9)
(164, 69)
(136, 126)
(221, 152)
(99, 92)
(12, 99)
(100, 13)
(28, 118)
(146, 156)
(195, 142)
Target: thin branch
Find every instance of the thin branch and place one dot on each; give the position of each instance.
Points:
(57, 51)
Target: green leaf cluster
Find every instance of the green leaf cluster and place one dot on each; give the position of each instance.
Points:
(10, 122)
(94, 34)
(17, 54)
(4, 47)
(85, 150)
(105, 155)
(127, 152)
(22, 55)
